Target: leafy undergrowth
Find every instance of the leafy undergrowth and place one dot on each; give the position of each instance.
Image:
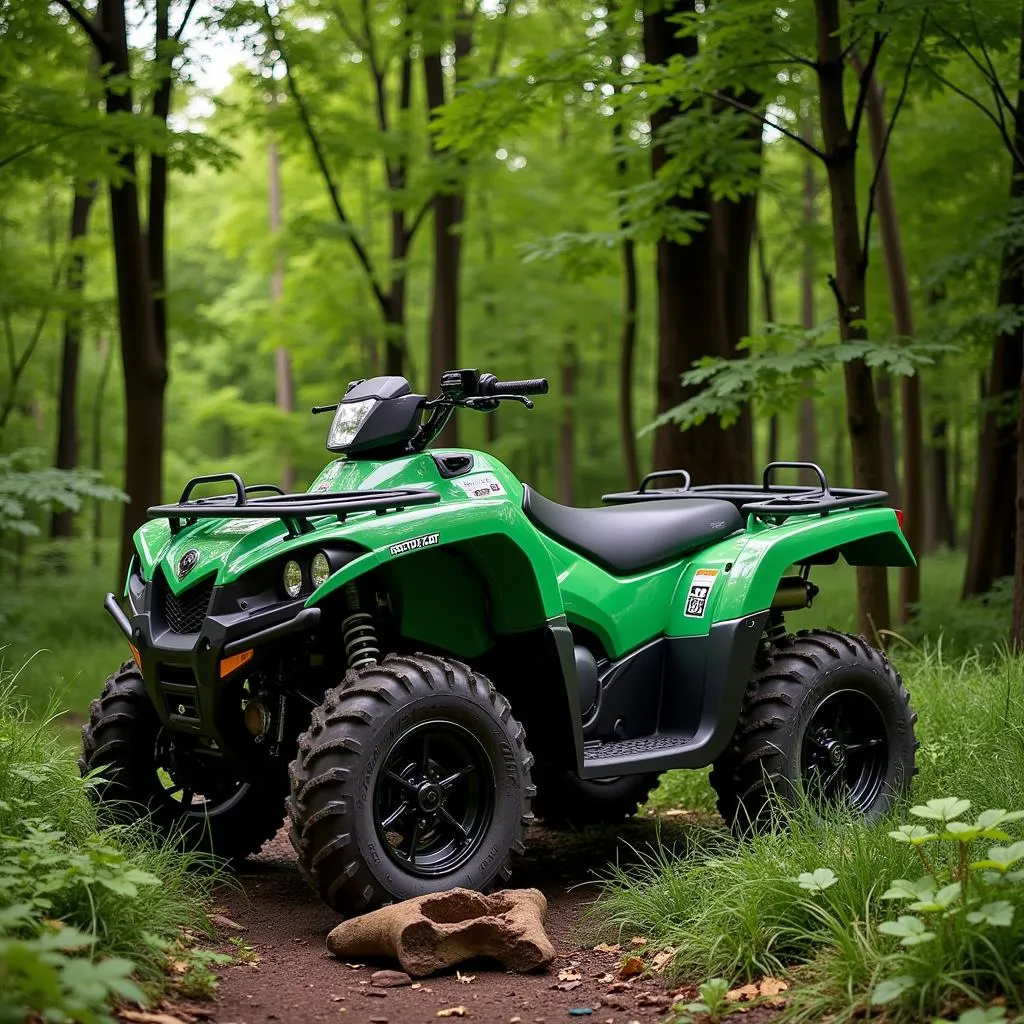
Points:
(85, 917)
(916, 916)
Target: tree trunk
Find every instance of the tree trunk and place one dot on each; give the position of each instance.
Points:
(96, 462)
(807, 440)
(67, 416)
(143, 345)
(689, 315)
(940, 522)
(567, 426)
(887, 428)
(768, 303)
(284, 390)
(849, 284)
(1017, 623)
(912, 430)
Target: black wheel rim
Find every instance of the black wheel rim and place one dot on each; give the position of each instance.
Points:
(845, 751)
(434, 798)
(189, 790)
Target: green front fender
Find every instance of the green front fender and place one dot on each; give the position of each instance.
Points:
(752, 564)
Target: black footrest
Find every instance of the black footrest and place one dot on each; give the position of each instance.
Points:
(626, 748)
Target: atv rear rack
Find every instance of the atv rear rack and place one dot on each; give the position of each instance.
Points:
(294, 510)
(767, 501)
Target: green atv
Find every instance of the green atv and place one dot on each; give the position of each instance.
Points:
(375, 633)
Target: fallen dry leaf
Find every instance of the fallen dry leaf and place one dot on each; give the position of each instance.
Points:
(632, 967)
(743, 994)
(569, 974)
(661, 958)
(767, 988)
(355, 967)
(225, 922)
(567, 986)
(178, 966)
(772, 986)
(453, 1011)
(638, 940)
(141, 1017)
(465, 979)
(603, 947)
(604, 979)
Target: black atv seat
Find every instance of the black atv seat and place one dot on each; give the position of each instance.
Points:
(628, 538)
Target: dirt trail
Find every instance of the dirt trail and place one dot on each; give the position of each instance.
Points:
(296, 980)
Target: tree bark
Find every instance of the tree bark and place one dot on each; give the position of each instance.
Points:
(67, 414)
(912, 430)
(940, 523)
(849, 284)
(768, 304)
(284, 390)
(96, 461)
(689, 314)
(807, 440)
(143, 349)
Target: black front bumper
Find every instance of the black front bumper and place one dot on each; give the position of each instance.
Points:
(182, 670)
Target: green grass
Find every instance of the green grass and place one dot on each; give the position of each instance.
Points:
(735, 910)
(57, 635)
(84, 915)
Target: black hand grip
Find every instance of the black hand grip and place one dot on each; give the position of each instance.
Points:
(538, 386)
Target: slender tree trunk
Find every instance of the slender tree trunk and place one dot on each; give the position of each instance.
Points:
(627, 339)
(912, 429)
(940, 523)
(284, 390)
(689, 313)
(96, 461)
(67, 417)
(887, 428)
(768, 303)
(1017, 623)
(567, 426)
(807, 441)
(143, 344)
(849, 284)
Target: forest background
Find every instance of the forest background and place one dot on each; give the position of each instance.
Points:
(727, 233)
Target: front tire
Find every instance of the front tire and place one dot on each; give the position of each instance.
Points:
(827, 718)
(141, 772)
(412, 778)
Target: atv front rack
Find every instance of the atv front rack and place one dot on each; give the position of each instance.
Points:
(294, 510)
(767, 501)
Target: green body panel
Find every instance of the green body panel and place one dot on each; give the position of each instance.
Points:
(490, 572)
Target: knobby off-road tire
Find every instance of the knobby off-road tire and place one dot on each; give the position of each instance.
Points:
(416, 730)
(565, 801)
(828, 716)
(122, 739)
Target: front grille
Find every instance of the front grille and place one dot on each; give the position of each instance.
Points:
(185, 613)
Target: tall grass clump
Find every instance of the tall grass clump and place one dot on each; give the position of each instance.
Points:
(84, 916)
(919, 912)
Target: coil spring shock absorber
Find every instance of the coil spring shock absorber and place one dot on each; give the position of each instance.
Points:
(358, 632)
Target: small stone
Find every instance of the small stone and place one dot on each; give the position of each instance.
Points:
(225, 922)
(378, 1020)
(372, 994)
(390, 979)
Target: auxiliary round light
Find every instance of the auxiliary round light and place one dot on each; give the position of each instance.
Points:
(292, 578)
(319, 569)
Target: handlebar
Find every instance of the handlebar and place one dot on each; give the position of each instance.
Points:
(489, 385)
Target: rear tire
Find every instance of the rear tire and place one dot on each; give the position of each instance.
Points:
(565, 801)
(412, 778)
(829, 718)
(124, 740)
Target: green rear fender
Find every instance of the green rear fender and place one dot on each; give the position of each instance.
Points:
(748, 567)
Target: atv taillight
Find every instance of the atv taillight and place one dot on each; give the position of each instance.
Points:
(899, 516)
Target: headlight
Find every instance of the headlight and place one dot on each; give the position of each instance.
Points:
(292, 579)
(347, 421)
(319, 569)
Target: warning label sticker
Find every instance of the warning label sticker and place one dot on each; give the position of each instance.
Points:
(700, 590)
(482, 485)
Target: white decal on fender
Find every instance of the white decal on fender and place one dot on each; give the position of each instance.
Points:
(700, 590)
(482, 485)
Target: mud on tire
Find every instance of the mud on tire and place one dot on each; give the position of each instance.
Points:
(395, 733)
(121, 740)
(828, 716)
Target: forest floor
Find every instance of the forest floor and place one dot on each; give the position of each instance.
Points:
(292, 979)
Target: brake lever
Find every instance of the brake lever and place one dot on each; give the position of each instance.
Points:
(489, 403)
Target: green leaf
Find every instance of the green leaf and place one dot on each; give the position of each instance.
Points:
(999, 914)
(981, 1015)
(915, 834)
(1002, 858)
(942, 809)
(818, 880)
(931, 903)
(902, 889)
(891, 989)
(911, 931)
